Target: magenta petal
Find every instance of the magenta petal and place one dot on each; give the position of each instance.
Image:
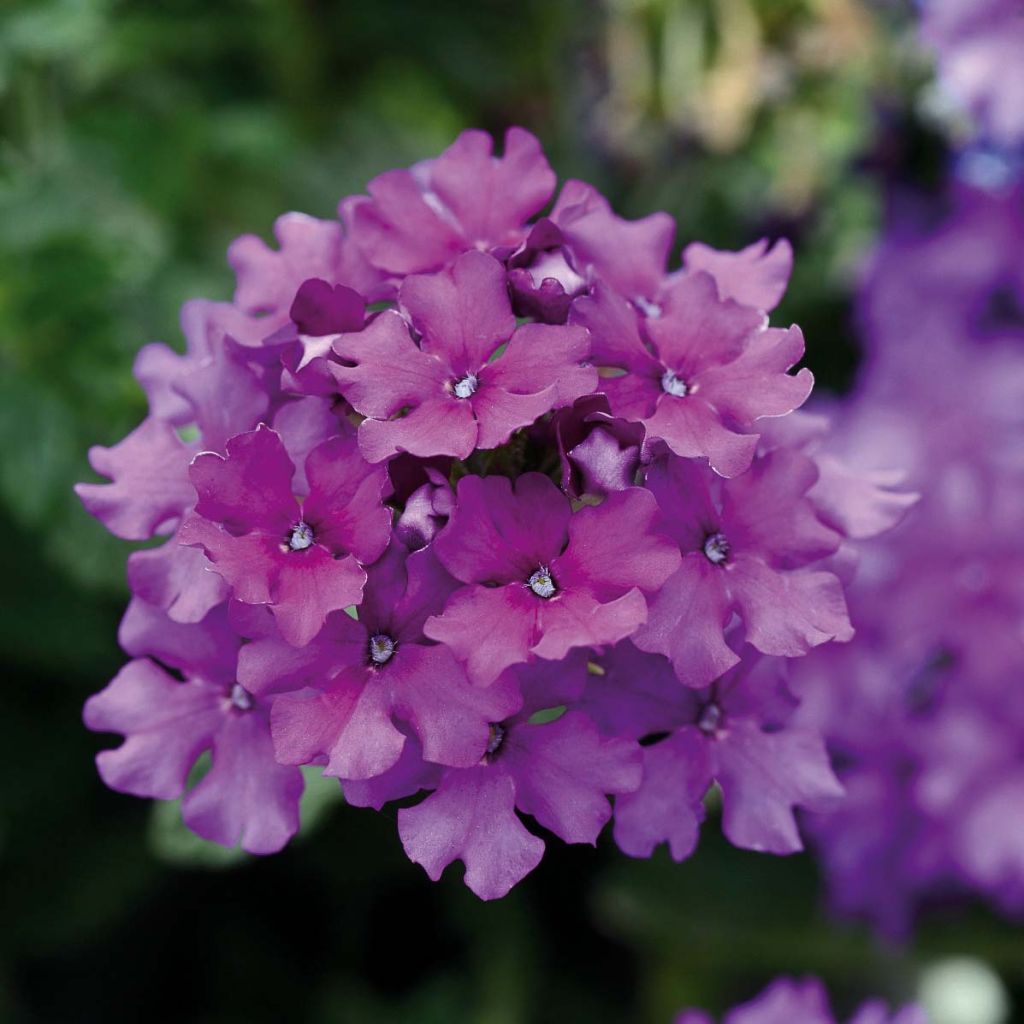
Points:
(248, 564)
(382, 370)
(441, 426)
(177, 579)
(268, 664)
(493, 197)
(574, 619)
(637, 694)
(616, 546)
(398, 231)
(309, 585)
(682, 490)
(686, 620)
(345, 503)
(167, 724)
(539, 356)
(207, 650)
(406, 777)
(156, 368)
(629, 255)
(149, 485)
(668, 807)
(471, 817)
(463, 313)
(764, 511)
(249, 489)
(319, 308)
(614, 330)
(246, 798)
(764, 777)
(548, 684)
(788, 613)
(502, 532)
(269, 279)
(225, 395)
(208, 326)
(691, 428)
(500, 413)
(756, 383)
(349, 723)
(302, 425)
(426, 589)
(451, 717)
(698, 330)
(755, 276)
(605, 461)
(563, 771)
(487, 629)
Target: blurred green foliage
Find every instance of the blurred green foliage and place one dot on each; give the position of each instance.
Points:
(136, 140)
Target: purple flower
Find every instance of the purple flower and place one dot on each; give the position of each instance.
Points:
(365, 677)
(471, 380)
(541, 579)
(700, 374)
(169, 722)
(422, 218)
(749, 546)
(737, 732)
(558, 772)
(304, 560)
(805, 1001)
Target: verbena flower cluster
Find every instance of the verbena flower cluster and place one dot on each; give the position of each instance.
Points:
(804, 1001)
(923, 712)
(486, 512)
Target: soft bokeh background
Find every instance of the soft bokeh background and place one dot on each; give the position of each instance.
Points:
(136, 140)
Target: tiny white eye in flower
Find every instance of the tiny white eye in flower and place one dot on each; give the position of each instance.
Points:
(466, 387)
(541, 583)
(710, 719)
(673, 385)
(382, 647)
(301, 538)
(241, 698)
(495, 738)
(716, 548)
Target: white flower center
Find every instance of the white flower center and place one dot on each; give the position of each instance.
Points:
(241, 698)
(710, 719)
(673, 385)
(495, 738)
(541, 583)
(382, 647)
(716, 548)
(301, 538)
(466, 387)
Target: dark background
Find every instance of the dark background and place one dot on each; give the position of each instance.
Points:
(138, 139)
